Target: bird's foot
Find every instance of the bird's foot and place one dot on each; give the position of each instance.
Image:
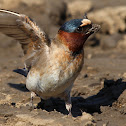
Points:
(68, 107)
(32, 107)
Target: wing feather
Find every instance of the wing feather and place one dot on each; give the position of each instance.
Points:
(25, 30)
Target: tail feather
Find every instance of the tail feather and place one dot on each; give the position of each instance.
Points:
(23, 71)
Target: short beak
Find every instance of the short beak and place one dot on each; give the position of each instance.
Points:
(95, 28)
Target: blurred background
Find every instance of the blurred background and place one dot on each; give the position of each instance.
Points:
(100, 87)
(51, 14)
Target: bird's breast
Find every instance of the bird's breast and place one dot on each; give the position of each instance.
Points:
(56, 76)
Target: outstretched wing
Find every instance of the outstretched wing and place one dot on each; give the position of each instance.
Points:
(23, 29)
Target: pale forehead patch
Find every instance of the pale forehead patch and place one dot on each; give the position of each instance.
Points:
(85, 22)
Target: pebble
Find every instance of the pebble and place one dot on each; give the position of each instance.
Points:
(86, 116)
(124, 75)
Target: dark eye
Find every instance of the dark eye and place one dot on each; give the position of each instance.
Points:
(79, 29)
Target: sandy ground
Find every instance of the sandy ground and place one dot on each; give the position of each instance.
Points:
(98, 95)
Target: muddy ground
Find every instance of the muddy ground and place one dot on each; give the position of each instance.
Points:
(99, 92)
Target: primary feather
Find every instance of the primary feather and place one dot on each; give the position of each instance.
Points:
(23, 29)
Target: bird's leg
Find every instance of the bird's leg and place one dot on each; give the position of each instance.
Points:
(68, 105)
(31, 101)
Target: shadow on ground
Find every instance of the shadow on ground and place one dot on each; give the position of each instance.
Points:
(106, 96)
(20, 87)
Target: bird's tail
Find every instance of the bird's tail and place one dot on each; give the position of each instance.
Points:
(23, 71)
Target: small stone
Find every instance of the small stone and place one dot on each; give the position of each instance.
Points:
(90, 124)
(124, 75)
(20, 123)
(122, 43)
(90, 68)
(86, 75)
(86, 116)
(89, 56)
(104, 124)
(13, 104)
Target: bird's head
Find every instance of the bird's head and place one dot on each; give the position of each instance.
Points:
(75, 32)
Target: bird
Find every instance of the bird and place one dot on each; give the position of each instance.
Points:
(51, 65)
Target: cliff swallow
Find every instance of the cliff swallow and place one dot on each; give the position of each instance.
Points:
(51, 66)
